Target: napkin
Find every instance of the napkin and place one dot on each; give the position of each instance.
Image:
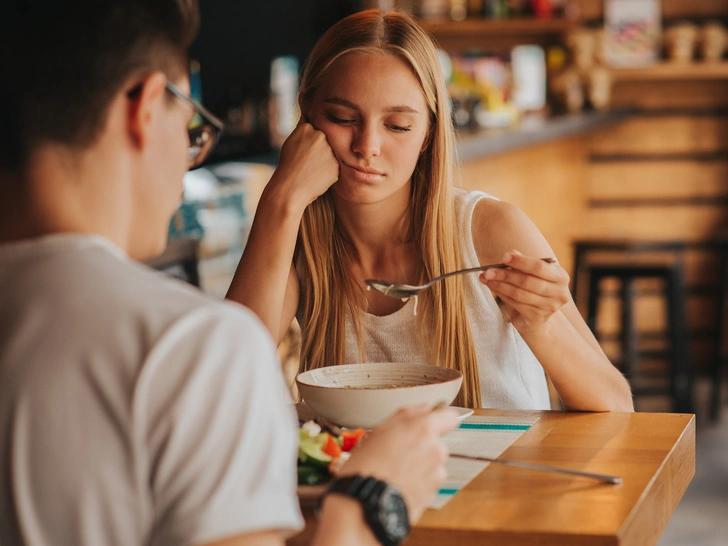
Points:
(478, 436)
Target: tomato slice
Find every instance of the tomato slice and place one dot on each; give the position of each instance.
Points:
(330, 447)
(351, 438)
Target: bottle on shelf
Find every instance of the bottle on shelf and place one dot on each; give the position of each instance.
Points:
(495, 9)
(433, 9)
(543, 9)
(458, 10)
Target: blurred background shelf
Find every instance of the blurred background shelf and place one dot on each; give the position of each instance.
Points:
(477, 26)
(671, 9)
(673, 72)
(585, 10)
(496, 36)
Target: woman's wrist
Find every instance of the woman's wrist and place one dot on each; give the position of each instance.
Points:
(543, 332)
(282, 200)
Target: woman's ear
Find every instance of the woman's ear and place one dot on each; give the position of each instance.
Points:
(143, 107)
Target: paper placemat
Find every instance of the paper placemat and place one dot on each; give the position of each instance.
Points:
(480, 436)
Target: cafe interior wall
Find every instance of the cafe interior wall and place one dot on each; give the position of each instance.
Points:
(663, 174)
(660, 175)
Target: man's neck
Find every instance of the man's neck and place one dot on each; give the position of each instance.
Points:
(57, 196)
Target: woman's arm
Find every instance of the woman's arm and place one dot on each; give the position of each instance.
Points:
(265, 280)
(542, 310)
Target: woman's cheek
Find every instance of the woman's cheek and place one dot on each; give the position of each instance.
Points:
(413, 148)
(336, 136)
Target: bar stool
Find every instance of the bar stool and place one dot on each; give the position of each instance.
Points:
(626, 270)
(720, 365)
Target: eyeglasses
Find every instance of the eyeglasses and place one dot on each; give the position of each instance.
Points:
(204, 129)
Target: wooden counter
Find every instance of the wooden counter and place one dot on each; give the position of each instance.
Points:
(532, 130)
(654, 453)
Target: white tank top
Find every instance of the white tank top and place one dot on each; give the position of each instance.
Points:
(510, 375)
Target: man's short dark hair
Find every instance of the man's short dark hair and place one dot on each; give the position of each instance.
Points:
(62, 62)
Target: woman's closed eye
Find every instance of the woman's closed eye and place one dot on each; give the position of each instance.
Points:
(340, 121)
(351, 121)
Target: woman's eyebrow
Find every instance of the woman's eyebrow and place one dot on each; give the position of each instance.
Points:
(348, 104)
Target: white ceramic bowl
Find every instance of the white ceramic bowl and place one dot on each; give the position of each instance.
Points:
(363, 395)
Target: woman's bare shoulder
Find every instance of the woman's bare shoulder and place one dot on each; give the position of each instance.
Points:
(499, 226)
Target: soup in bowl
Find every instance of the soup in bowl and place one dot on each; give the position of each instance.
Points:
(364, 395)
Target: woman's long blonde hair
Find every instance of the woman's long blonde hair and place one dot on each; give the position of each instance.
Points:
(327, 291)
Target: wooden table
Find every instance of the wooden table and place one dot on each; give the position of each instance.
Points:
(654, 453)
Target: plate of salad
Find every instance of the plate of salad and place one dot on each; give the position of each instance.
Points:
(321, 452)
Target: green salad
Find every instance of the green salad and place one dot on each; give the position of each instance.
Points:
(321, 453)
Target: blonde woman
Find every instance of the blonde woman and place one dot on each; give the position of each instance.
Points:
(364, 189)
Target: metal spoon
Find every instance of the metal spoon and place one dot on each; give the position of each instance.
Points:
(405, 291)
(601, 477)
(533, 466)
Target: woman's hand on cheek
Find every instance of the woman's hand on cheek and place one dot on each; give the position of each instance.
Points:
(532, 289)
(307, 166)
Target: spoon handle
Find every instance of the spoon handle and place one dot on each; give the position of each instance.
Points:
(481, 268)
(601, 477)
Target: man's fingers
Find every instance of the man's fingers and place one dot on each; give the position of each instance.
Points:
(444, 420)
(439, 419)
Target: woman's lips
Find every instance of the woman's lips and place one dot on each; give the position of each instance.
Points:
(363, 173)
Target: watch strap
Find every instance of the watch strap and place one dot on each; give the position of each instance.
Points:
(367, 490)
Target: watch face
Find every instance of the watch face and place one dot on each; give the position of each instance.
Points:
(393, 514)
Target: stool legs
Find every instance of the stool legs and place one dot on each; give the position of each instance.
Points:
(719, 357)
(629, 335)
(681, 380)
(593, 302)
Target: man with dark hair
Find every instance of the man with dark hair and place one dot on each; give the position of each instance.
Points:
(133, 409)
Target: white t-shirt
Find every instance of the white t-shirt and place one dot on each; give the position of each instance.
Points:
(133, 409)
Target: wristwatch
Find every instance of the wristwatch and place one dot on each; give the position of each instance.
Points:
(384, 508)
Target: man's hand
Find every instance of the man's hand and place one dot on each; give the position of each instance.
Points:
(407, 451)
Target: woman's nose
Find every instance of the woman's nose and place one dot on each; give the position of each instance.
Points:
(366, 142)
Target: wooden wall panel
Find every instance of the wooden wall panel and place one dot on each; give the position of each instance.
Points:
(546, 182)
(666, 180)
(669, 134)
(656, 223)
(670, 94)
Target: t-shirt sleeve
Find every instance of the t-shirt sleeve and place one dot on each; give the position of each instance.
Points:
(220, 430)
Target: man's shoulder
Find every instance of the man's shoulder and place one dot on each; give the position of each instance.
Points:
(130, 284)
(118, 295)
(157, 297)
